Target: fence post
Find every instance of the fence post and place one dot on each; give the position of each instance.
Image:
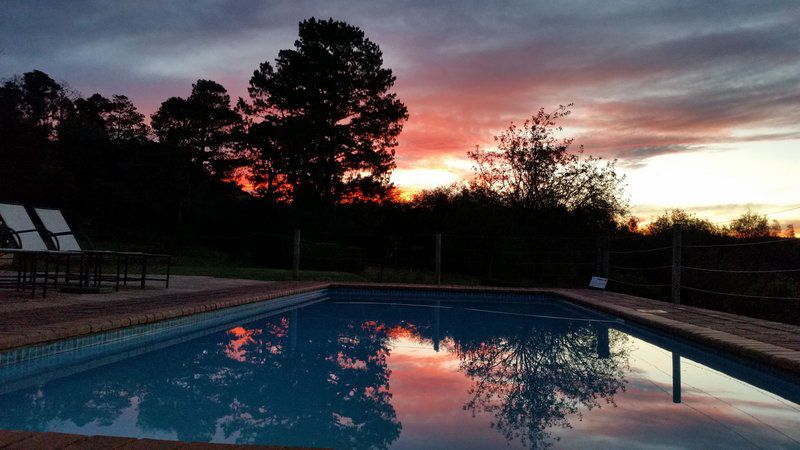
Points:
(677, 239)
(603, 246)
(438, 258)
(296, 258)
(598, 267)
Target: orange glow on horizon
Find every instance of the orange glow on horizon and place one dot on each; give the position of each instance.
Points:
(404, 331)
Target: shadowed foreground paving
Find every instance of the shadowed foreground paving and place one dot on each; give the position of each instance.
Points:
(26, 321)
(32, 441)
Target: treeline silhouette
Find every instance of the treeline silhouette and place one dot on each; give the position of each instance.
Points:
(313, 143)
(119, 180)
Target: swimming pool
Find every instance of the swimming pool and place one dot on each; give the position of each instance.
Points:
(350, 368)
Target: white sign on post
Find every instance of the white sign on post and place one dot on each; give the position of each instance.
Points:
(598, 282)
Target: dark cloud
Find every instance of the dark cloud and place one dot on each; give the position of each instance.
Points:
(634, 156)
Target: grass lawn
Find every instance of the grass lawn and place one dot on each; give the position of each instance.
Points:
(264, 274)
(200, 261)
(370, 274)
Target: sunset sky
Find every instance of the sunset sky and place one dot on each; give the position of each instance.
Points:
(699, 101)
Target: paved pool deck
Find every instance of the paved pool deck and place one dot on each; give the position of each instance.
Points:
(28, 440)
(28, 321)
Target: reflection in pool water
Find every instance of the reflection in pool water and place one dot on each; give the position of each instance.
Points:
(349, 373)
(533, 380)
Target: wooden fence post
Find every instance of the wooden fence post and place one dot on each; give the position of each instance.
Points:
(603, 247)
(598, 267)
(296, 258)
(438, 258)
(677, 242)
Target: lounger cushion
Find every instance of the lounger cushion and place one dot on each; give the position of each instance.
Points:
(54, 222)
(17, 219)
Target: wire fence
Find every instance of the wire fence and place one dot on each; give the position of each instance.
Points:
(491, 259)
(717, 272)
(643, 265)
(756, 277)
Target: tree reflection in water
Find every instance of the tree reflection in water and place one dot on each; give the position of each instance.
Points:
(329, 387)
(535, 377)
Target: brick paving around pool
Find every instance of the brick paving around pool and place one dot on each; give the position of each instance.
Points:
(770, 344)
(27, 321)
(28, 440)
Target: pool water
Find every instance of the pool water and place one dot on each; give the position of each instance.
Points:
(413, 371)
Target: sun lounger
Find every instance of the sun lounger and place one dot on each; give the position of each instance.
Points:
(28, 248)
(64, 239)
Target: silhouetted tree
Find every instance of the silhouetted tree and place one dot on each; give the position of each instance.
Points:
(31, 108)
(117, 117)
(35, 99)
(327, 121)
(532, 168)
(204, 124)
(122, 120)
(631, 224)
(789, 231)
(750, 225)
(690, 222)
